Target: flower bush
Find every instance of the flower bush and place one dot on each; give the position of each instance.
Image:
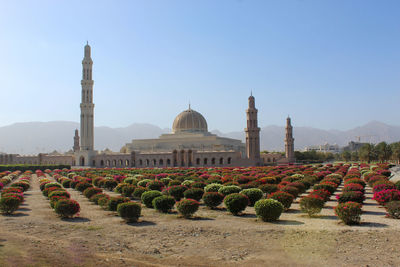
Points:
(355, 196)
(147, 197)
(213, 199)
(66, 208)
(194, 193)
(285, 198)
(393, 209)
(253, 194)
(349, 212)
(187, 207)
(387, 195)
(229, 189)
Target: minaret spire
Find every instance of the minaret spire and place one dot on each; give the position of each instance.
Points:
(252, 132)
(289, 141)
(87, 106)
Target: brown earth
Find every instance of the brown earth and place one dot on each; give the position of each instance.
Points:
(35, 236)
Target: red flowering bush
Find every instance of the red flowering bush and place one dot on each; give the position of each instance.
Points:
(325, 194)
(353, 187)
(66, 208)
(386, 195)
(187, 207)
(312, 204)
(291, 190)
(382, 185)
(328, 187)
(349, 212)
(285, 198)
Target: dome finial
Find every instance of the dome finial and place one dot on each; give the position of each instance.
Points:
(251, 92)
(189, 105)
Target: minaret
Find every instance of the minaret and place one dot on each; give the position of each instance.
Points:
(76, 141)
(289, 141)
(87, 106)
(252, 131)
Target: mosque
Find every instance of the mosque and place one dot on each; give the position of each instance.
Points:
(190, 144)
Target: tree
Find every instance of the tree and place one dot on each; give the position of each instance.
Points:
(354, 156)
(346, 155)
(367, 152)
(395, 151)
(383, 151)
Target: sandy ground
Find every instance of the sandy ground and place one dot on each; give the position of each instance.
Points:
(35, 236)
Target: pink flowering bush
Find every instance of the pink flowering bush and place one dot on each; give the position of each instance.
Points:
(386, 195)
(349, 212)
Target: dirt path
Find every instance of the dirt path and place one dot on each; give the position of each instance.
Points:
(35, 236)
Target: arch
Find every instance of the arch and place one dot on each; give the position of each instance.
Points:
(101, 163)
(205, 161)
(147, 162)
(121, 162)
(229, 160)
(198, 161)
(114, 162)
(126, 162)
(268, 160)
(93, 163)
(168, 162)
(182, 158)
(108, 163)
(175, 158)
(213, 161)
(221, 161)
(82, 161)
(140, 162)
(154, 162)
(161, 162)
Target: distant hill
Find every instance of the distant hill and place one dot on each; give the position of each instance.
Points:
(35, 137)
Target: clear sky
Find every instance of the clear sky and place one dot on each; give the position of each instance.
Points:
(329, 64)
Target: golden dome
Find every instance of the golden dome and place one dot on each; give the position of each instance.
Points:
(189, 121)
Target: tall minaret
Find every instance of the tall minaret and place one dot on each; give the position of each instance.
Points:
(252, 131)
(87, 106)
(289, 141)
(76, 141)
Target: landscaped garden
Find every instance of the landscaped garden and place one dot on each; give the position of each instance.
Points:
(227, 215)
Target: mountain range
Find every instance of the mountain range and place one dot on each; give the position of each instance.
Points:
(36, 137)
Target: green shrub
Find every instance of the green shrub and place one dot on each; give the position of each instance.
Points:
(147, 197)
(95, 198)
(174, 182)
(198, 185)
(128, 190)
(42, 185)
(163, 203)
(194, 193)
(187, 207)
(59, 193)
(397, 184)
(312, 204)
(131, 180)
(331, 189)
(9, 204)
(268, 188)
(254, 194)
(74, 183)
(212, 199)
(229, 189)
(66, 208)
(285, 198)
(109, 184)
(177, 191)
(66, 183)
(83, 186)
(187, 183)
(291, 190)
(48, 190)
(129, 211)
(165, 181)
(114, 201)
(268, 209)
(355, 196)
(212, 187)
(155, 185)
(349, 212)
(103, 201)
(143, 182)
(393, 209)
(25, 186)
(119, 187)
(236, 203)
(91, 191)
(53, 184)
(54, 199)
(137, 194)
